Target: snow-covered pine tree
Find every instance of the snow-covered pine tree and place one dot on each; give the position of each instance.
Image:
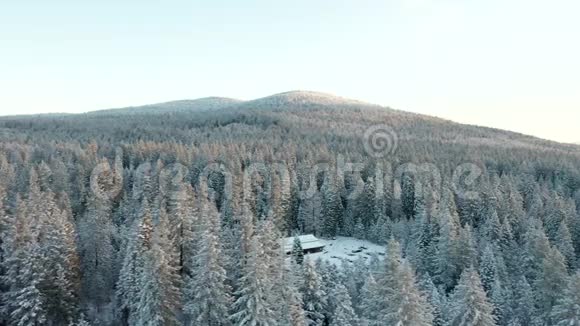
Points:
(60, 261)
(491, 228)
(344, 314)
(96, 250)
(381, 232)
(23, 302)
(190, 230)
(370, 303)
(313, 217)
(330, 277)
(313, 295)
(468, 304)
(273, 253)
(293, 305)
(398, 298)
(467, 250)
(448, 268)
(408, 195)
(386, 286)
(159, 298)
(487, 268)
(556, 214)
(166, 240)
(207, 295)
(331, 207)
(304, 215)
(349, 217)
(537, 249)
(130, 284)
(280, 203)
(567, 309)
(550, 284)
(178, 211)
(297, 251)
(365, 208)
(360, 231)
(407, 306)
(436, 300)
(254, 306)
(425, 246)
(501, 297)
(564, 244)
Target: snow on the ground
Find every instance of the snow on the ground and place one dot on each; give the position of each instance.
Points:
(345, 249)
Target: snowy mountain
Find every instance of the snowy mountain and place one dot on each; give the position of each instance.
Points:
(303, 99)
(348, 116)
(125, 216)
(286, 100)
(305, 112)
(201, 104)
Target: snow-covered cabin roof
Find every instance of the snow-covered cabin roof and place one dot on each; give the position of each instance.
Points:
(308, 241)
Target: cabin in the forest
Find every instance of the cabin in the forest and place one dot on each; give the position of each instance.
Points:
(310, 244)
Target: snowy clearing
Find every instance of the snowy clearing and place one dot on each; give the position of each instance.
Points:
(345, 249)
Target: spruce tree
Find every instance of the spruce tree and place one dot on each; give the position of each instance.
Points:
(344, 314)
(253, 306)
(488, 269)
(297, 251)
(313, 295)
(469, 305)
(179, 208)
(331, 207)
(523, 304)
(400, 302)
(292, 303)
(407, 305)
(448, 261)
(435, 299)
(158, 298)
(564, 244)
(501, 297)
(207, 295)
(97, 251)
(23, 302)
(60, 261)
(130, 284)
(550, 284)
(370, 302)
(567, 309)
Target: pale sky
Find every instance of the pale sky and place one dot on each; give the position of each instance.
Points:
(508, 64)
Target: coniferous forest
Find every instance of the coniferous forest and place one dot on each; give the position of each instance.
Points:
(173, 214)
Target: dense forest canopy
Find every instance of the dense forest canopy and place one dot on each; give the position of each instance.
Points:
(172, 214)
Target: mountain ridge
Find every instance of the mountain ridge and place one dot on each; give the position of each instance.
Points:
(326, 109)
(295, 98)
(199, 104)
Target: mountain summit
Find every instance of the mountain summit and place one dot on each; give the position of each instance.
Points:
(291, 99)
(300, 97)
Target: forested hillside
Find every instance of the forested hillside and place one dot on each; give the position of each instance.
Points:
(172, 214)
